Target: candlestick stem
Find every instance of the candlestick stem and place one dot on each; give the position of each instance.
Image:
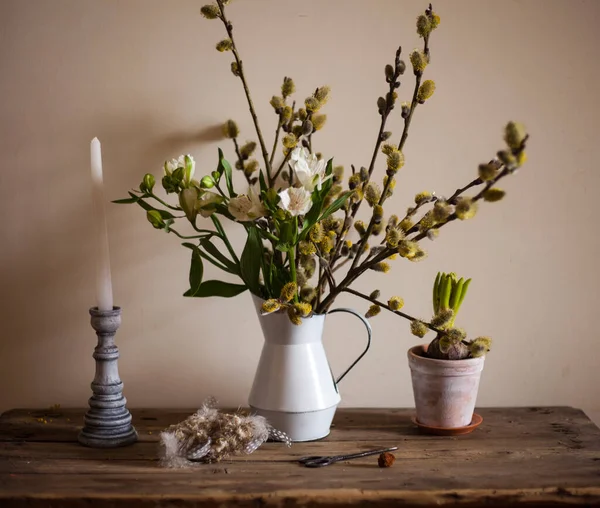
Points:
(107, 422)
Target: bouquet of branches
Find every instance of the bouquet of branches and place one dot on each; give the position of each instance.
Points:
(304, 244)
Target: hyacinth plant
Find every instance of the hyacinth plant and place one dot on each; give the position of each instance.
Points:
(304, 244)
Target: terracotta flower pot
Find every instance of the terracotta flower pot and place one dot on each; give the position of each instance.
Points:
(445, 390)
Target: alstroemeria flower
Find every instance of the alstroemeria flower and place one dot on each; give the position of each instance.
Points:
(309, 170)
(296, 200)
(207, 204)
(246, 208)
(186, 162)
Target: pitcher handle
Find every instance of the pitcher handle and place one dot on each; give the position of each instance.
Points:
(369, 335)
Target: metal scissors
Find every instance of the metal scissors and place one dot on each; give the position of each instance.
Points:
(321, 461)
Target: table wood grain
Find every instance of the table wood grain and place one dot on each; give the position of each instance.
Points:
(544, 456)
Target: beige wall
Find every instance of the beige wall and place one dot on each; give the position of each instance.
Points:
(143, 76)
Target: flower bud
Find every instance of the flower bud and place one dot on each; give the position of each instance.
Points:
(360, 227)
(207, 182)
(405, 109)
(425, 91)
(290, 141)
(155, 219)
(247, 149)
(235, 69)
(224, 45)
(373, 311)
(307, 128)
(230, 129)
(375, 294)
(465, 208)
(514, 135)
(396, 303)
(377, 214)
(276, 102)
(372, 193)
(389, 73)
(487, 172)
(385, 135)
(423, 25)
(187, 200)
(318, 121)
(418, 59)
(423, 197)
(418, 328)
(210, 11)
(312, 104)
(288, 87)
(381, 105)
(147, 183)
(288, 291)
(494, 194)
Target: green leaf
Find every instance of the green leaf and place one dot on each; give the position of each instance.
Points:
(336, 205)
(436, 295)
(225, 168)
(148, 207)
(263, 184)
(216, 253)
(196, 270)
(251, 260)
(126, 201)
(462, 295)
(456, 293)
(217, 288)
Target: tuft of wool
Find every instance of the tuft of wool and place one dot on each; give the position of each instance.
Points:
(211, 436)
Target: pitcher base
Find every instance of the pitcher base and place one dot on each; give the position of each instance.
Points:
(306, 426)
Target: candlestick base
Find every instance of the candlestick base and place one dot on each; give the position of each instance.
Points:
(107, 422)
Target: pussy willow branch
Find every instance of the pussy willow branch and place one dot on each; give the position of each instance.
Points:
(387, 307)
(229, 28)
(347, 225)
(407, 121)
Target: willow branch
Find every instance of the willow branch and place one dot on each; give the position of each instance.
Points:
(229, 28)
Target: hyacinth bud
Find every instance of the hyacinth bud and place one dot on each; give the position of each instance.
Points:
(210, 11)
(277, 103)
(441, 210)
(269, 306)
(207, 182)
(425, 91)
(288, 87)
(148, 183)
(288, 291)
(381, 267)
(230, 129)
(418, 59)
(395, 161)
(465, 208)
(360, 227)
(372, 193)
(487, 172)
(395, 303)
(423, 197)
(423, 25)
(155, 219)
(373, 311)
(235, 69)
(381, 105)
(224, 45)
(494, 194)
(389, 73)
(290, 141)
(312, 104)
(418, 328)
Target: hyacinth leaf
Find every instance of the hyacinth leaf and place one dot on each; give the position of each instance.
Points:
(196, 270)
(436, 296)
(456, 292)
(209, 247)
(463, 293)
(219, 288)
(446, 291)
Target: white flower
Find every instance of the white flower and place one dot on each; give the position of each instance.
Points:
(186, 162)
(207, 204)
(246, 208)
(309, 170)
(297, 201)
(170, 166)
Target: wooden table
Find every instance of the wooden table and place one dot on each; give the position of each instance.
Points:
(530, 456)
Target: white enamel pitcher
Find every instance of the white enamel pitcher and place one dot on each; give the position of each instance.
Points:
(294, 388)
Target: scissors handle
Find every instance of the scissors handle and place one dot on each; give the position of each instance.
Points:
(321, 461)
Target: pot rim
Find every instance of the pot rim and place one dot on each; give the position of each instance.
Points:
(421, 348)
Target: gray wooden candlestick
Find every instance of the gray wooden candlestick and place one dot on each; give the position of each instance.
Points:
(107, 422)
